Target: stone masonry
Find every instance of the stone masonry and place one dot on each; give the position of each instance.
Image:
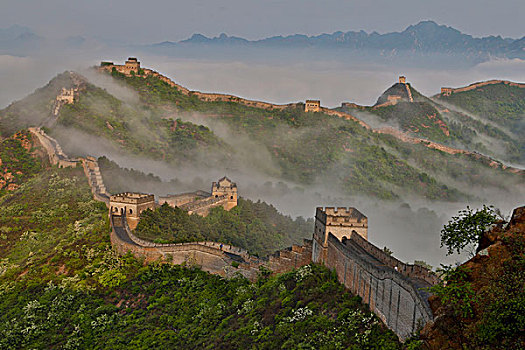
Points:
(132, 205)
(395, 291)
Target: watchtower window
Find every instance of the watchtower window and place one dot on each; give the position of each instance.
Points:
(131, 211)
(231, 197)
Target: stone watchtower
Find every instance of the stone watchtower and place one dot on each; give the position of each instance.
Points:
(446, 91)
(132, 205)
(340, 222)
(225, 187)
(132, 64)
(402, 79)
(312, 106)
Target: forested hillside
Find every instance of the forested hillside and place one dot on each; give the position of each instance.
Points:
(309, 149)
(62, 286)
(488, 119)
(256, 227)
(20, 159)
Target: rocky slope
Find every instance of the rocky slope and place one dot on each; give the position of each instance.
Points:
(493, 282)
(20, 159)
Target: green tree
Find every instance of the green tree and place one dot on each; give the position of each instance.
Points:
(467, 228)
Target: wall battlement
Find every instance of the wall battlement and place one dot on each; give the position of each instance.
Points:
(340, 222)
(213, 257)
(340, 241)
(447, 91)
(401, 302)
(312, 106)
(132, 198)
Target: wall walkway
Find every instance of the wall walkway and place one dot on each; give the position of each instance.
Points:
(221, 259)
(399, 297)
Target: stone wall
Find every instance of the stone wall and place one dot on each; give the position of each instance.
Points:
(178, 200)
(398, 300)
(209, 97)
(281, 261)
(408, 270)
(96, 183)
(202, 206)
(66, 96)
(448, 91)
(52, 148)
(221, 259)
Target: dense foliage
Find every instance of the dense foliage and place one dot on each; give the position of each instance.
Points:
(485, 120)
(257, 227)
(500, 108)
(175, 307)
(501, 103)
(141, 129)
(62, 286)
(420, 118)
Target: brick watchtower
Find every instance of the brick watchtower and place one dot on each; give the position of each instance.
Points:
(340, 222)
(132, 205)
(225, 187)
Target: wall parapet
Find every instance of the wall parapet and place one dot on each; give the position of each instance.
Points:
(447, 91)
(401, 302)
(407, 270)
(213, 257)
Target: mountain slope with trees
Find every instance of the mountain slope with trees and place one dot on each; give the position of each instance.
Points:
(288, 144)
(488, 119)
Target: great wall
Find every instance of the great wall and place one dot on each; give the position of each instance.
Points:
(396, 292)
(132, 67)
(447, 91)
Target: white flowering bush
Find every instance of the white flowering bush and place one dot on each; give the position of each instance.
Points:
(303, 272)
(246, 307)
(299, 315)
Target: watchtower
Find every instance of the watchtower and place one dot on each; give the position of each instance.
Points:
(132, 64)
(312, 106)
(402, 79)
(132, 205)
(225, 187)
(340, 222)
(446, 91)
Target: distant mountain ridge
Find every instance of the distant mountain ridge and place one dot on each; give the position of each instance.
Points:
(424, 37)
(19, 40)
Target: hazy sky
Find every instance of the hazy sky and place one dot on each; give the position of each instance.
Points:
(158, 20)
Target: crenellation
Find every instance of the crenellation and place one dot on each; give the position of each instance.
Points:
(131, 205)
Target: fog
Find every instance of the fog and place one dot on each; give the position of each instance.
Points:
(284, 79)
(410, 231)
